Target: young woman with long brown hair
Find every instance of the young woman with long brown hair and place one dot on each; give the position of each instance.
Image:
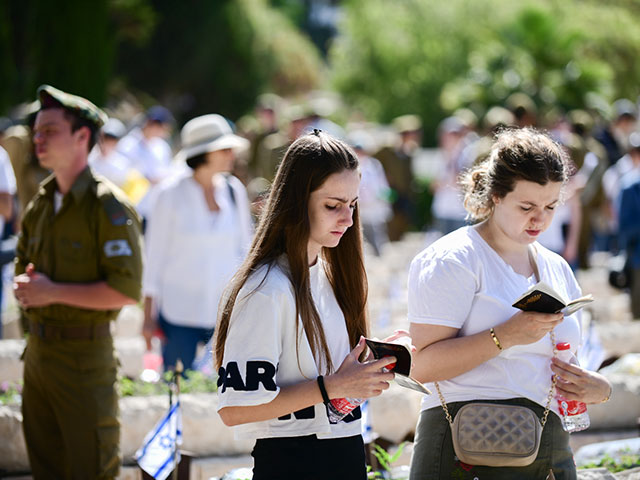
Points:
(292, 325)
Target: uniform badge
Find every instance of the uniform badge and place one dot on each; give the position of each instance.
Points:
(117, 248)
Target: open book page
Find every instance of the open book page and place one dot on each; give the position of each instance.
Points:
(543, 298)
(402, 367)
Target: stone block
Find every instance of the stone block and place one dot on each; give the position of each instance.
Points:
(129, 322)
(130, 353)
(13, 451)
(619, 338)
(595, 474)
(207, 468)
(394, 414)
(204, 433)
(11, 366)
(623, 410)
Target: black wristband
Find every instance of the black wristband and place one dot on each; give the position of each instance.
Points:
(323, 390)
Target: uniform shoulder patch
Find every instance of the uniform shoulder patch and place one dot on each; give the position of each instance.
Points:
(117, 248)
(116, 211)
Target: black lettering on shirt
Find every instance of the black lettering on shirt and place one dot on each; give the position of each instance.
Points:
(304, 414)
(230, 377)
(260, 372)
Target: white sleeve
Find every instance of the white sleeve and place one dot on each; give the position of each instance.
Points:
(440, 291)
(7, 177)
(160, 225)
(252, 351)
(244, 214)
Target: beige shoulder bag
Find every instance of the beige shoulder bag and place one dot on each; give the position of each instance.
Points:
(496, 435)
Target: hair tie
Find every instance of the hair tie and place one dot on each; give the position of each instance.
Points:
(316, 132)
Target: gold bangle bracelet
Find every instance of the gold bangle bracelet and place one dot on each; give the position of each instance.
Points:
(608, 397)
(495, 339)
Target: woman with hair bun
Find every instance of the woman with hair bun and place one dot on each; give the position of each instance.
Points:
(469, 338)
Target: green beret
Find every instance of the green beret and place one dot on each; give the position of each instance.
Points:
(82, 106)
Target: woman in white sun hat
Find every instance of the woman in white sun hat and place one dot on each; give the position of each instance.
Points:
(198, 233)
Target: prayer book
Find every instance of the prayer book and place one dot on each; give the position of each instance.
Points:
(544, 299)
(402, 367)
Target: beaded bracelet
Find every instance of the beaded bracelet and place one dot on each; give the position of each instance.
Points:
(495, 339)
(323, 390)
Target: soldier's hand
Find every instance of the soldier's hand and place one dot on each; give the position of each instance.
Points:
(33, 289)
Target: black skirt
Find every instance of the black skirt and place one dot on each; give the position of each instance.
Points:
(309, 458)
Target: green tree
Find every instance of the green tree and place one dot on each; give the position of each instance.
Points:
(68, 44)
(558, 56)
(426, 57)
(218, 56)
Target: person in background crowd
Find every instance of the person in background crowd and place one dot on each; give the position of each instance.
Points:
(629, 220)
(590, 158)
(291, 328)
(105, 159)
(397, 161)
(296, 119)
(19, 146)
(468, 336)
(149, 153)
(373, 200)
(7, 192)
(447, 209)
(267, 112)
(78, 262)
(494, 120)
(198, 233)
(523, 108)
(615, 136)
(146, 146)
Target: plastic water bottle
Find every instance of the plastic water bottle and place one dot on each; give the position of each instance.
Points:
(338, 408)
(572, 412)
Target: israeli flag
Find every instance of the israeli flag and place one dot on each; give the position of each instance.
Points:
(156, 455)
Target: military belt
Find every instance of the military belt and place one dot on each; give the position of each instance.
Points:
(75, 332)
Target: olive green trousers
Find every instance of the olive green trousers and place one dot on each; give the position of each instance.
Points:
(434, 457)
(70, 408)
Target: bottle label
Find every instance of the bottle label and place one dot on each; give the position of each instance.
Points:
(571, 407)
(343, 405)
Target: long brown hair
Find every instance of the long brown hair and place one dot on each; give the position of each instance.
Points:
(284, 229)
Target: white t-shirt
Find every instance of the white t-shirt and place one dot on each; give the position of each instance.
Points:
(151, 157)
(114, 166)
(7, 179)
(374, 207)
(460, 281)
(260, 354)
(192, 252)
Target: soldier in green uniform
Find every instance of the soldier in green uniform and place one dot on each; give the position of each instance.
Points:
(78, 262)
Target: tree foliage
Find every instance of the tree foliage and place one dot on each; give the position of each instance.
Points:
(36, 49)
(430, 57)
(195, 56)
(218, 56)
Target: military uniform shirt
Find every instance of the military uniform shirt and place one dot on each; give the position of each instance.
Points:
(95, 236)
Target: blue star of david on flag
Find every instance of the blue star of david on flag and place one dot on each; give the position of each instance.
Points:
(157, 456)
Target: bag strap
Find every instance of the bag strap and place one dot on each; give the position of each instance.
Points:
(533, 254)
